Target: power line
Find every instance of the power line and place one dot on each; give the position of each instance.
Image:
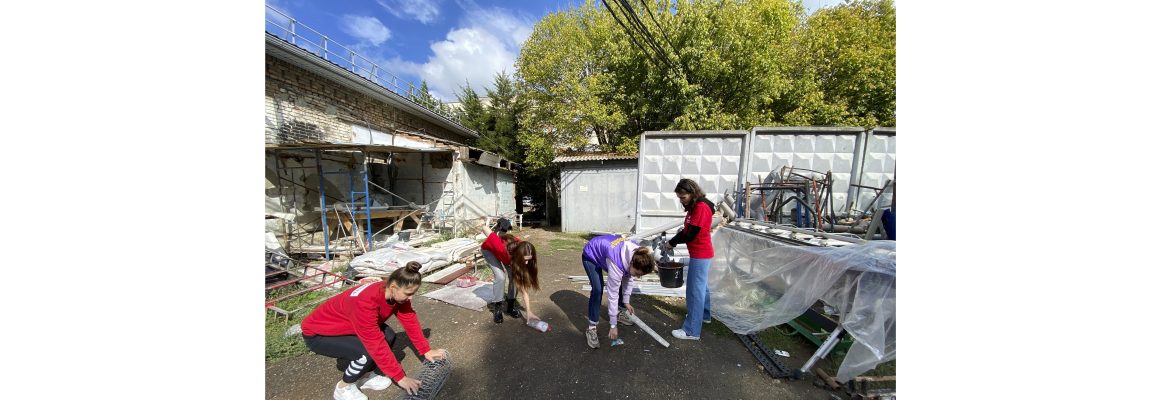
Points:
(633, 19)
(649, 55)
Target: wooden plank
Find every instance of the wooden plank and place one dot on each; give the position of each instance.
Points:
(448, 274)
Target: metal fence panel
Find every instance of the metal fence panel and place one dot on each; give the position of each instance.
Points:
(600, 198)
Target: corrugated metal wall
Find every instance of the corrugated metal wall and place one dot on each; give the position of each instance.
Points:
(598, 196)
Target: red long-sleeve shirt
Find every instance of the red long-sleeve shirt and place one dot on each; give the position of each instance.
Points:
(360, 311)
(702, 245)
(497, 247)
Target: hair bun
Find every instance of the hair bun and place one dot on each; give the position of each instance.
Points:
(413, 266)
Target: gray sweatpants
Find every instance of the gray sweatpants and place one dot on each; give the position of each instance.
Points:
(501, 279)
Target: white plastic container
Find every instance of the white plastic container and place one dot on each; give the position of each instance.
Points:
(539, 325)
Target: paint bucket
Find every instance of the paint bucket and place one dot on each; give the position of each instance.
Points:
(404, 236)
(672, 274)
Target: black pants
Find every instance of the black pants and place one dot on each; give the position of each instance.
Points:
(349, 352)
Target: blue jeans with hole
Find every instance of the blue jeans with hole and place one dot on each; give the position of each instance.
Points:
(696, 296)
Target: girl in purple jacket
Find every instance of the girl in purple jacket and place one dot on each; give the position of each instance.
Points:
(624, 261)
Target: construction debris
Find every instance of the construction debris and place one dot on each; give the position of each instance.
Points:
(472, 297)
(383, 261)
(648, 284)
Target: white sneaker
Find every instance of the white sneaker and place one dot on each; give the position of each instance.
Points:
(623, 318)
(707, 321)
(376, 382)
(350, 392)
(680, 334)
(592, 338)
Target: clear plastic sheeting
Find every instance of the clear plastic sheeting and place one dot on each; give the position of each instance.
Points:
(757, 282)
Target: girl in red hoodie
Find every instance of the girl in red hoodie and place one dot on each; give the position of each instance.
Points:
(351, 327)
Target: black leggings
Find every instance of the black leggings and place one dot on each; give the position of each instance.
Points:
(351, 355)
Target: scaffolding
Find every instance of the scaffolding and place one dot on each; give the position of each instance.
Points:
(352, 215)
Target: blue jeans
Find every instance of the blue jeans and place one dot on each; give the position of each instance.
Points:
(696, 295)
(596, 279)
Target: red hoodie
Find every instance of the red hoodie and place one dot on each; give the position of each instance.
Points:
(360, 311)
(497, 247)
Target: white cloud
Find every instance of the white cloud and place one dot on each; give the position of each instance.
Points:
(277, 17)
(486, 42)
(424, 11)
(365, 28)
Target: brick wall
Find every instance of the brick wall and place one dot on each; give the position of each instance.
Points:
(303, 107)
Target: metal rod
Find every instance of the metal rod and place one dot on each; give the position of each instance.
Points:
(636, 320)
(823, 350)
(822, 234)
(322, 199)
(367, 195)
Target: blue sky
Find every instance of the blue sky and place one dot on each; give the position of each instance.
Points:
(445, 42)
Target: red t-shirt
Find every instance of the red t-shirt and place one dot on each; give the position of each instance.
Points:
(359, 311)
(497, 247)
(702, 245)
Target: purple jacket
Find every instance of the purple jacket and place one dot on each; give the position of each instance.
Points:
(613, 254)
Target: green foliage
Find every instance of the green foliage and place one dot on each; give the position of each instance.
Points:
(473, 115)
(731, 64)
(279, 347)
(498, 125)
(845, 66)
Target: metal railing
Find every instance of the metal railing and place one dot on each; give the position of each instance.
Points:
(289, 29)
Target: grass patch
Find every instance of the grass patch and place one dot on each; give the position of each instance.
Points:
(277, 345)
(566, 241)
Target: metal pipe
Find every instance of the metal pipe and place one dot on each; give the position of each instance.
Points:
(823, 350)
(822, 234)
(727, 210)
(367, 195)
(855, 189)
(876, 196)
(322, 200)
(636, 320)
(656, 231)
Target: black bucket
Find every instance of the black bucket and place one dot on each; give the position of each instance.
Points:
(672, 274)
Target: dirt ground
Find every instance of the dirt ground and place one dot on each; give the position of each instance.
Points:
(512, 360)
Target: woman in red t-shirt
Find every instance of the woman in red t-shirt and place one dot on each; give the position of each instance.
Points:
(351, 327)
(695, 234)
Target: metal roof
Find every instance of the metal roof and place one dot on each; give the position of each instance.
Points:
(593, 157)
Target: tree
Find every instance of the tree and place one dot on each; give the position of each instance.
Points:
(845, 74)
(613, 72)
(472, 115)
(498, 125)
(424, 97)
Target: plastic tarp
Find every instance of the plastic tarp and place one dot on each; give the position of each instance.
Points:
(757, 282)
(386, 260)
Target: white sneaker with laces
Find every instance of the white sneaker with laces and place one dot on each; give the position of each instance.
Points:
(592, 338)
(680, 334)
(623, 318)
(350, 392)
(376, 382)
